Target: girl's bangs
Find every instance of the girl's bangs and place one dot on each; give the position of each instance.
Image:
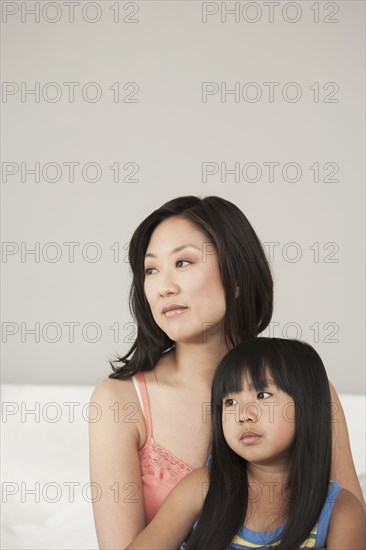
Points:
(236, 371)
(256, 365)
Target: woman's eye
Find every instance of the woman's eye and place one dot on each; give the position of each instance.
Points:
(148, 271)
(263, 395)
(229, 402)
(182, 262)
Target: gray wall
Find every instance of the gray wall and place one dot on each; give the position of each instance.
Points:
(165, 124)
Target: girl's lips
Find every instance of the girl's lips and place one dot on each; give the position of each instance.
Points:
(250, 437)
(173, 312)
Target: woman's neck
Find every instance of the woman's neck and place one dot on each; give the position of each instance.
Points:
(198, 361)
(191, 364)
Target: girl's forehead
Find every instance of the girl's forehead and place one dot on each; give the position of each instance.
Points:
(264, 378)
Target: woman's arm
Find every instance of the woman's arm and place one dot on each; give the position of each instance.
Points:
(343, 469)
(347, 524)
(172, 523)
(114, 464)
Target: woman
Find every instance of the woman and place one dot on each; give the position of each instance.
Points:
(201, 284)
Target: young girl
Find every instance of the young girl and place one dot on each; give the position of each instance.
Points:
(268, 485)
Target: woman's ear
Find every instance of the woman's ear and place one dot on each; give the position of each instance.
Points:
(237, 291)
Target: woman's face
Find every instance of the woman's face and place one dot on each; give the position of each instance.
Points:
(182, 273)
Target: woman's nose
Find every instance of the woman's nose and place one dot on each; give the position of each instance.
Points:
(167, 284)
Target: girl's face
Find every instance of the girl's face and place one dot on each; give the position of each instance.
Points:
(182, 274)
(259, 425)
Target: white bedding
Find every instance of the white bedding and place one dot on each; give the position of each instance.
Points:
(49, 457)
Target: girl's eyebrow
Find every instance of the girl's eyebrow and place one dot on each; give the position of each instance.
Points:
(269, 382)
(174, 251)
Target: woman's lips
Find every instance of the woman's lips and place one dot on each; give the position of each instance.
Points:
(250, 437)
(173, 312)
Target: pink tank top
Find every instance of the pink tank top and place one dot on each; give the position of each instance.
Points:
(160, 470)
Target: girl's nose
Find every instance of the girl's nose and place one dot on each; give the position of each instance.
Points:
(250, 412)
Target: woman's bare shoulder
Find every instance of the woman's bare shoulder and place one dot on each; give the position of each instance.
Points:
(117, 401)
(115, 436)
(113, 388)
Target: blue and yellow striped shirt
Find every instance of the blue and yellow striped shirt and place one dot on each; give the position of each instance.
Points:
(246, 539)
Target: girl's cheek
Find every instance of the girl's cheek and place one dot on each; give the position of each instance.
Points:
(289, 412)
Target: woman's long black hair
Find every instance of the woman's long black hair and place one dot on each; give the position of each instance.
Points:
(242, 262)
(296, 369)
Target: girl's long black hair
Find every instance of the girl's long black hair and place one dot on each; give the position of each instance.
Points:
(296, 369)
(242, 262)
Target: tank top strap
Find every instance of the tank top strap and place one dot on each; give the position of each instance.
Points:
(146, 404)
(323, 522)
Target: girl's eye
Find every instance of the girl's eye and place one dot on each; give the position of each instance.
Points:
(182, 262)
(230, 402)
(263, 395)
